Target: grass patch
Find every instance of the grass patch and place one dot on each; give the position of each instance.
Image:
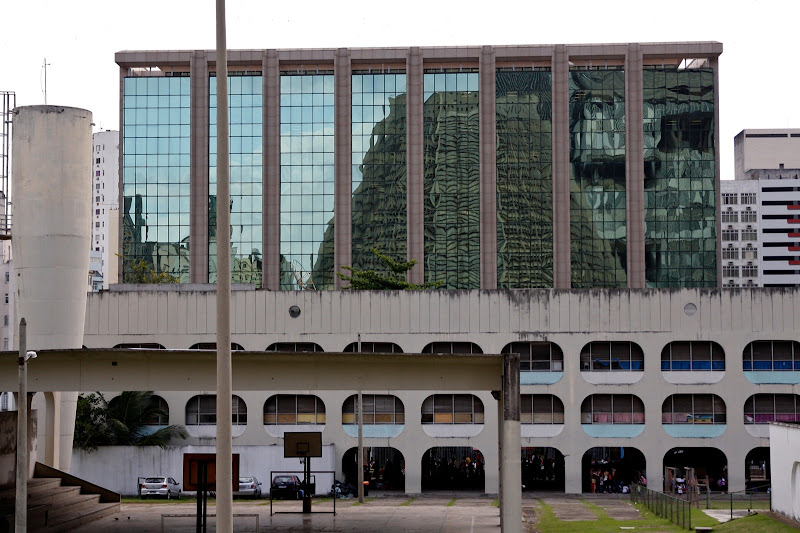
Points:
(496, 502)
(754, 523)
(366, 500)
(407, 502)
(548, 523)
(451, 502)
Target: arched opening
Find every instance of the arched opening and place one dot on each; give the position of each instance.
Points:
(384, 469)
(373, 347)
(708, 465)
(616, 356)
(542, 469)
(213, 346)
(158, 415)
(756, 469)
(447, 347)
(453, 468)
(612, 470)
(537, 356)
(140, 346)
(294, 347)
(201, 415)
(692, 356)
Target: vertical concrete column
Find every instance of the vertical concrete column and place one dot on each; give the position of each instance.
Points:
(573, 473)
(413, 473)
(415, 168)
(271, 170)
(120, 175)
(714, 62)
(634, 165)
(343, 155)
(510, 464)
(52, 428)
(198, 184)
(488, 173)
(52, 232)
(562, 271)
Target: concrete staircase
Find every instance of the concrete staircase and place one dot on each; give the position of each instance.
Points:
(58, 503)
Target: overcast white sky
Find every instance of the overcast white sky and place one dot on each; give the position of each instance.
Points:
(758, 87)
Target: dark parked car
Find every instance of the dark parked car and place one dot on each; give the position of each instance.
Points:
(249, 487)
(286, 487)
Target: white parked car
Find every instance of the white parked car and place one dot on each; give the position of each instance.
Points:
(162, 486)
(249, 487)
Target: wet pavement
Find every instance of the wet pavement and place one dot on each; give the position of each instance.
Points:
(440, 513)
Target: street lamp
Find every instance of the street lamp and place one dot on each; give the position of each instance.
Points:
(21, 505)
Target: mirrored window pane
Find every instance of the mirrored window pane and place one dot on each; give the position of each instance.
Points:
(598, 223)
(524, 179)
(452, 179)
(679, 187)
(155, 156)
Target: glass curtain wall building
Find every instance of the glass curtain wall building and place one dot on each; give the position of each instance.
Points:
(562, 166)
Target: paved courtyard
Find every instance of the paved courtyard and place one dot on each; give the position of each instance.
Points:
(441, 513)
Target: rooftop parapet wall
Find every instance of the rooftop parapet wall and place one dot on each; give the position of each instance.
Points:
(237, 58)
(518, 314)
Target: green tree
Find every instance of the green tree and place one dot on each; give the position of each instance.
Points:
(125, 420)
(369, 280)
(140, 271)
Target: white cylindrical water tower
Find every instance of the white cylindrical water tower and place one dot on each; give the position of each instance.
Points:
(51, 236)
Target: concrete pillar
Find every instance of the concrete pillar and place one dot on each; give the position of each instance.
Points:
(52, 455)
(52, 157)
(510, 465)
(714, 62)
(488, 169)
(736, 456)
(413, 472)
(123, 72)
(342, 158)
(271, 173)
(562, 276)
(634, 165)
(415, 167)
(198, 185)
(572, 472)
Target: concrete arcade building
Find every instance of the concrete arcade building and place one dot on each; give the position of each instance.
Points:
(566, 196)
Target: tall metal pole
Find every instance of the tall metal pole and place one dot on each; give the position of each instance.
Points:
(224, 382)
(360, 409)
(21, 505)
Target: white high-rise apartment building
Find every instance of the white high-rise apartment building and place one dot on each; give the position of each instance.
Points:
(760, 211)
(740, 238)
(105, 203)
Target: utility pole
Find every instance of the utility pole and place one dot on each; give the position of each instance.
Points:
(224, 467)
(21, 505)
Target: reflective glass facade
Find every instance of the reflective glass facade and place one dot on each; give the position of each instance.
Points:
(245, 134)
(156, 168)
(452, 179)
(524, 179)
(598, 224)
(680, 183)
(307, 171)
(379, 169)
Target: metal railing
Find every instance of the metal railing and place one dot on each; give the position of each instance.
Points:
(739, 503)
(676, 510)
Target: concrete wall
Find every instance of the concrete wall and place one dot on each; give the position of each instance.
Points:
(784, 455)
(117, 467)
(8, 445)
(766, 148)
(178, 318)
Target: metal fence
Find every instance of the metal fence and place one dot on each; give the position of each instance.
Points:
(676, 510)
(739, 503)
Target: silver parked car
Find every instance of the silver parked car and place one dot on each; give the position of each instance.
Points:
(163, 486)
(249, 487)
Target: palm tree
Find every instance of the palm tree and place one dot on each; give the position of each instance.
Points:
(131, 417)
